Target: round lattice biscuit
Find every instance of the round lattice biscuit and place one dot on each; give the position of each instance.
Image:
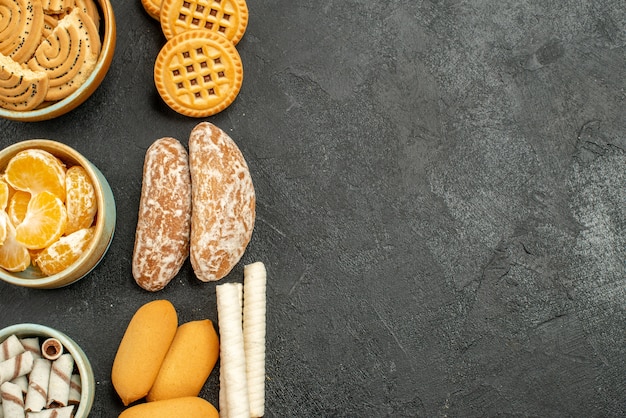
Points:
(21, 24)
(68, 55)
(153, 8)
(226, 17)
(198, 73)
(20, 88)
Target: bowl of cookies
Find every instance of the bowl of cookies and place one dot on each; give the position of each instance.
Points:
(53, 55)
(45, 373)
(57, 214)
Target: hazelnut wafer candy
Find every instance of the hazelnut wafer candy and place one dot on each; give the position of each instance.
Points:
(21, 23)
(198, 73)
(68, 55)
(225, 17)
(21, 88)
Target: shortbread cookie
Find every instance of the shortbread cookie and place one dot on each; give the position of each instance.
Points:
(21, 23)
(198, 73)
(89, 7)
(223, 202)
(21, 88)
(153, 8)
(225, 17)
(56, 6)
(68, 55)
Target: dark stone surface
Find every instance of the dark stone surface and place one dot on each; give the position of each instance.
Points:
(440, 205)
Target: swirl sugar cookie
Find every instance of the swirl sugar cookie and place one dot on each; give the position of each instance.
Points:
(20, 88)
(21, 24)
(225, 17)
(68, 55)
(198, 73)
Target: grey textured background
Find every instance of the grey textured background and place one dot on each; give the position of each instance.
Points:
(441, 205)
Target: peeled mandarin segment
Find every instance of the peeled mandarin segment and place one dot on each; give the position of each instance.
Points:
(35, 171)
(80, 199)
(188, 363)
(198, 73)
(18, 205)
(142, 350)
(228, 18)
(21, 88)
(13, 255)
(4, 194)
(4, 220)
(188, 407)
(63, 252)
(21, 23)
(44, 222)
(68, 55)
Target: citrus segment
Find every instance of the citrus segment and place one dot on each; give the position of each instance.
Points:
(80, 200)
(4, 194)
(18, 204)
(35, 171)
(64, 252)
(13, 255)
(44, 222)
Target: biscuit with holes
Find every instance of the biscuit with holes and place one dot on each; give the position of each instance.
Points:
(20, 88)
(68, 55)
(21, 24)
(198, 73)
(225, 17)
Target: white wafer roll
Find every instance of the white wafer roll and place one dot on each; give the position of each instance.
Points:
(52, 349)
(37, 395)
(10, 347)
(63, 412)
(32, 344)
(75, 390)
(12, 400)
(59, 384)
(232, 353)
(254, 307)
(22, 382)
(16, 366)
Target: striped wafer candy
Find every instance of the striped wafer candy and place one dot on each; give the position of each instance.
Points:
(12, 400)
(60, 378)
(11, 347)
(37, 395)
(16, 366)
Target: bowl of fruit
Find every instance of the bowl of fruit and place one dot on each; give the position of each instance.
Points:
(57, 214)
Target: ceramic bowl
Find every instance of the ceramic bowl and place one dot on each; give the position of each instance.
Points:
(81, 361)
(55, 109)
(104, 223)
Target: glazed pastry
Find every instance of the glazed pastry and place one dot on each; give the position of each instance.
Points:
(223, 202)
(164, 220)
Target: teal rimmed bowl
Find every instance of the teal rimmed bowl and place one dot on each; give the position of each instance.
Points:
(88, 382)
(104, 222)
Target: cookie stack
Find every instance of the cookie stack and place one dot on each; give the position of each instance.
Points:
(48, 48)
(198, 72)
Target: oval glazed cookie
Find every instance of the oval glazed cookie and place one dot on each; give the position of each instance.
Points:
(198, 73)
(164, 220)
(223, 202)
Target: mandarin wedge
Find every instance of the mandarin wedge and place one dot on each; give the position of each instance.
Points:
(13, 255)
(35, 171)
(5, 192)
(80, 199)
(63, 252)
(44, 222)
(18, 205)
